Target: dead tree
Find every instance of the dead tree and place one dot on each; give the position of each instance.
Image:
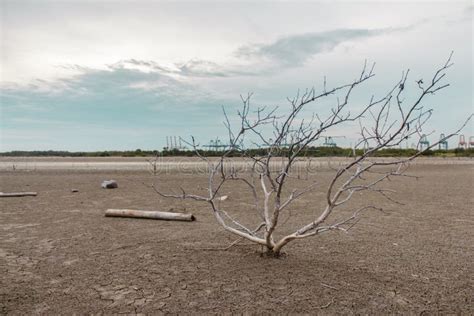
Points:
(385, 122)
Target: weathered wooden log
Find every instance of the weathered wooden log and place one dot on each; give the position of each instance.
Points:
(18, 194)
(150, 215)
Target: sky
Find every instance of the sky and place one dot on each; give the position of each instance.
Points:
(122, 75)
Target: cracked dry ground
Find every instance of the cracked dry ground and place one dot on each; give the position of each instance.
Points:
(60, 255)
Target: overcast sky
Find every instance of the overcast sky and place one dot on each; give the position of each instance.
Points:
(104, 75)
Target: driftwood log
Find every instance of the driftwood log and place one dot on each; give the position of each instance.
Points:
(150, 215)
(18, 194)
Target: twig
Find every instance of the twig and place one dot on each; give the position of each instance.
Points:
(328, 304)
(328, 286)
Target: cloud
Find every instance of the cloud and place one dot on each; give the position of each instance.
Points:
(265, 58)
(132, 85)
(117, 79)
(467, 14)
(194, 68)
(117, 92)
(255, 59)
(249, 60)
(290, 51)
(296, 50)
(77, 110)
(205, 68)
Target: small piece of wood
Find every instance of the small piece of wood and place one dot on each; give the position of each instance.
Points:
(150, 215)
(18, 194)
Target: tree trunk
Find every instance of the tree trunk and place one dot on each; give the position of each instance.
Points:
(271, 253)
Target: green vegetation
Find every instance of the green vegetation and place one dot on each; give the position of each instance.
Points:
(310, 152)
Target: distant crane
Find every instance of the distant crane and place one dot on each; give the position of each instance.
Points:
(443, 143)
(462, 141)
(217, 145)
(424, 143)
(174, 143)
(329, 141)
(282, 143)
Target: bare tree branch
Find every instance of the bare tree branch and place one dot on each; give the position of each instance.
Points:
(384, 122)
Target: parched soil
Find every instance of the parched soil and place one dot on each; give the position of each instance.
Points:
(60, 255)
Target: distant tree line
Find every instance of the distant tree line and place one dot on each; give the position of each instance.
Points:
(309, 152)
(62, 153)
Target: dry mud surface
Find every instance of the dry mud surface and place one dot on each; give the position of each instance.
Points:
(180, 164)
(60, 255)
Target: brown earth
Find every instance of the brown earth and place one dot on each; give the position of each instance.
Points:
(60, 255)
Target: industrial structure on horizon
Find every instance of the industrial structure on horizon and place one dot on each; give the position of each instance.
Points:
(175, 143)
(464, 144)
